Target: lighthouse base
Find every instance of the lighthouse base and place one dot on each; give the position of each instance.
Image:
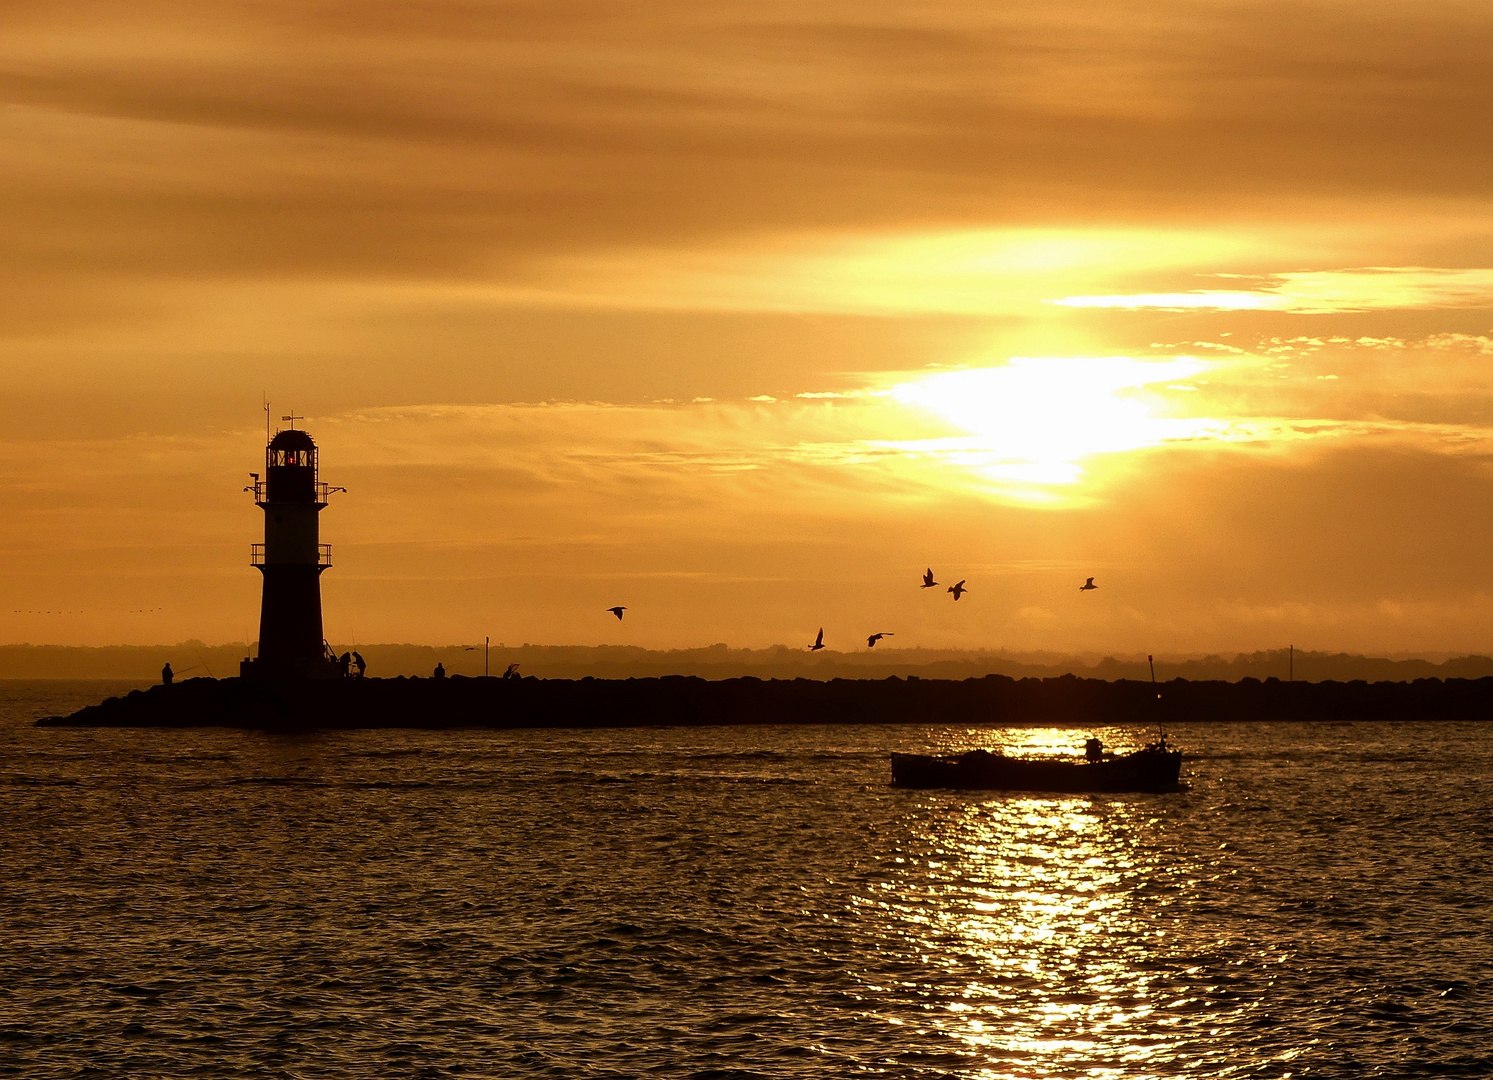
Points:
(263, 670)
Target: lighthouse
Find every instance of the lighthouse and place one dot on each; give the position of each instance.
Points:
(292, 558)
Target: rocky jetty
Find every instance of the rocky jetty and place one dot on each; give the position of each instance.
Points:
(459, 702)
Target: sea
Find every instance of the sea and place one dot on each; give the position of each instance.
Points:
(736, 902)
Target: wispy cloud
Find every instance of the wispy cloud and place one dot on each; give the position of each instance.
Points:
(1313, 292)
(1032, 430)
(973, 271)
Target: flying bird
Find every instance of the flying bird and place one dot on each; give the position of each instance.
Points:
(928, 581)
(958, 588)
(618, 610)
(818, 641)
(874, 638)
(1087, 585)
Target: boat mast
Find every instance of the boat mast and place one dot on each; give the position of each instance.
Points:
(1160, 731)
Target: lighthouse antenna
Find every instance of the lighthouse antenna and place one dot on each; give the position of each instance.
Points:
(266, 397)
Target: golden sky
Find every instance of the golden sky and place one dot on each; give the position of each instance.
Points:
(741, 314)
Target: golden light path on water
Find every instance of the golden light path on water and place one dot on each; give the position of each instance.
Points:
(1045, 909)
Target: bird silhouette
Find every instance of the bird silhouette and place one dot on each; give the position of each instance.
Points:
(874, 638)
(958, 588)
(818, 641)
(1087, 585)
(618, 610)
(928, 581)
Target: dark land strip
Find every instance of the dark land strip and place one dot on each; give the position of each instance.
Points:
(688, 701)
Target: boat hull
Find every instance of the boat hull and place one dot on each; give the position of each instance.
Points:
(1149, 770)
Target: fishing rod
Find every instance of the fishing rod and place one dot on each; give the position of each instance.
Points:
(202, 662)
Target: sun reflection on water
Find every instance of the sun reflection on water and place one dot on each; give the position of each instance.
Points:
(1030, 922)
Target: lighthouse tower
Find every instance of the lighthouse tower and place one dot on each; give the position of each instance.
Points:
(291, 645)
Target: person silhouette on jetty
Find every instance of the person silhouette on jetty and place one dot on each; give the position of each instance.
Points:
(874, 638)
(167, 675)
(928, 581)
(1087, 585)
(440, 671)
(512, 672)
(818, 641)
(359, 664)
(617, 611)
(958, 588)
(344, 664)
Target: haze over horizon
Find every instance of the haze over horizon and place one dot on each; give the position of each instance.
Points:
(742, 316)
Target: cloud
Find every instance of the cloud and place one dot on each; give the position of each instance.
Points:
(1450, 342)
(1051, 431)
(1322, 292)
(898, 272)
(463, 140)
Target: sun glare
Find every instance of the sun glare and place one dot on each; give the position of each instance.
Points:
(1034, 420)
(1203, 299)
(1369, 288)
(955, 271)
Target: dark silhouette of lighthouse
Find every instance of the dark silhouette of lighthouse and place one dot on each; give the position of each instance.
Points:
(292, 557)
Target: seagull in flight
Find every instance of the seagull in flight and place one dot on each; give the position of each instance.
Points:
(928, 581)
(1087, 585)
(874, 638)
(618, 610)
(818, 641)
(958, 588)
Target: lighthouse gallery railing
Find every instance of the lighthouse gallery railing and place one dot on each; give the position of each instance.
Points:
(260, 487)
(323, 555)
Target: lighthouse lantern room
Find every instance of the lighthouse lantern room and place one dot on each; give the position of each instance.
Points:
(291, 559)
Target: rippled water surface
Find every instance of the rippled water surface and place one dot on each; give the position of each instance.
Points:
(736, 902)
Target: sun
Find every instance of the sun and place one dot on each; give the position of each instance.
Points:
(1035, 420)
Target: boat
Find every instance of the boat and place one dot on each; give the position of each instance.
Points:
(1155, 768)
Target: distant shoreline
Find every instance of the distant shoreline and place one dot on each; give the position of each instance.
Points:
(721, 662)
(685, 701)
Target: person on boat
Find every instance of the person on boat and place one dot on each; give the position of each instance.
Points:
(440, 671)
(359, 663)
(1093, 750)
(167, 675)
(344, 664)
